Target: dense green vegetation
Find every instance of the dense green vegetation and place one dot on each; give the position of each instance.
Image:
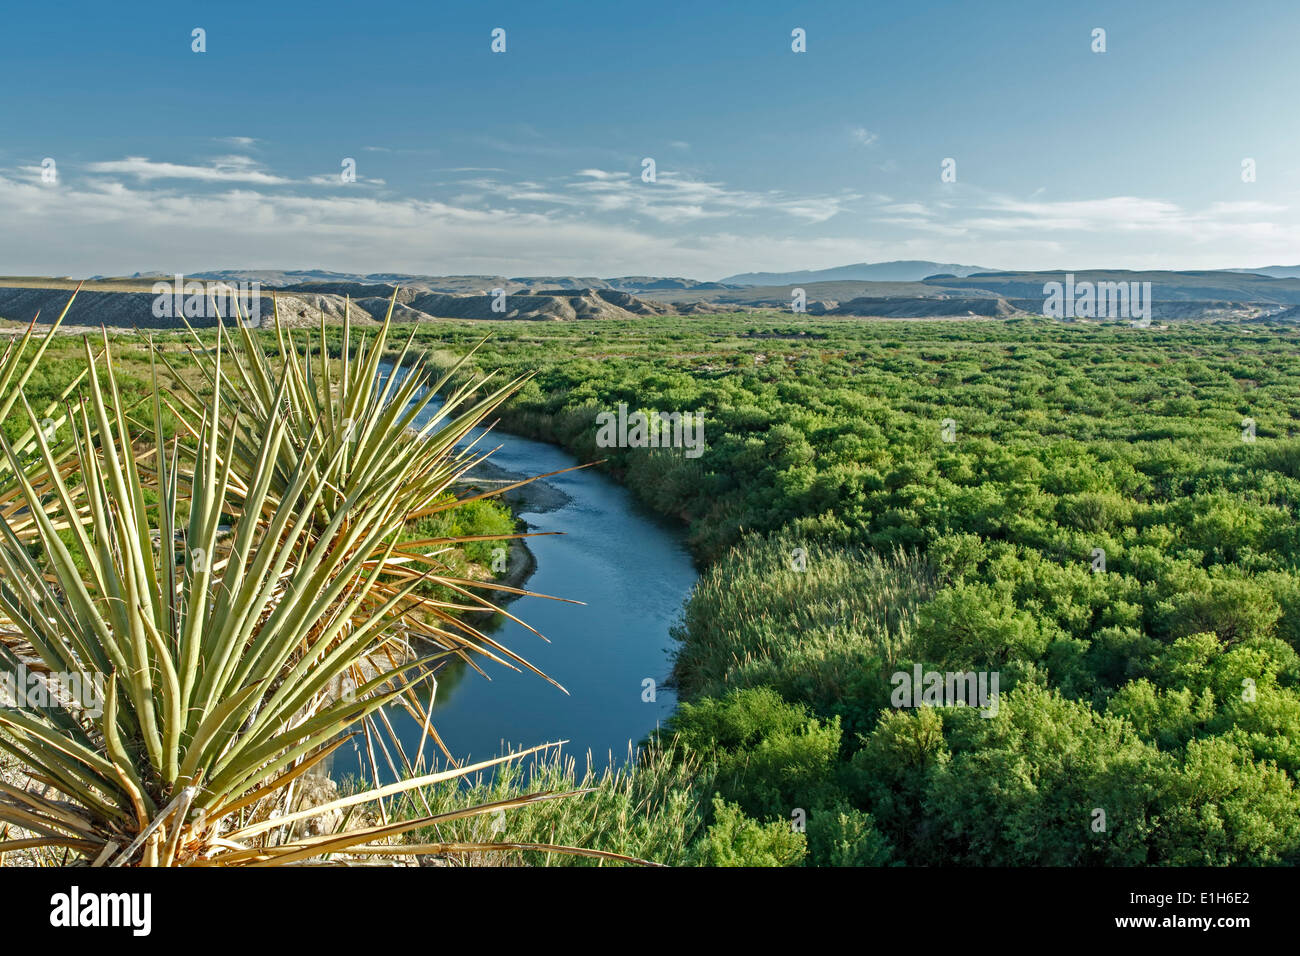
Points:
(1149, 711)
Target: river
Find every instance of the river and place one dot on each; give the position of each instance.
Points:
(632, 570)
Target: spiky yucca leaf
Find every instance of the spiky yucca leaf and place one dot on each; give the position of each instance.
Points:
(217, 652)
(359, 431)
(17, 365)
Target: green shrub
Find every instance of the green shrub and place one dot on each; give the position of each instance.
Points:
(736, 840)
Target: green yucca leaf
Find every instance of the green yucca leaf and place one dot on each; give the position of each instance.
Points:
(356, 436)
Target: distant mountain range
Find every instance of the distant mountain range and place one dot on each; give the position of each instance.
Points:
(902, 289)
(460, 284)
(900, 270)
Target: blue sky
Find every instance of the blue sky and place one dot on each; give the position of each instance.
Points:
(529, 162)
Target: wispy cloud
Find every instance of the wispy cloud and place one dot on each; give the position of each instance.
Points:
(907, 208)
(863, 136)
(225, 169)
(335, 179)
(1257, 225)
(672, 198)
(1113, 212)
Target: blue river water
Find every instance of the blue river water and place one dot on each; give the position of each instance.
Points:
(632, 571)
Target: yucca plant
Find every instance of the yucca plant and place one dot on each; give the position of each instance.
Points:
(217, 652)
(356, 430)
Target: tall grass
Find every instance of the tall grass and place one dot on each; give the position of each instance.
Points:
(817, 622)
(653, 808)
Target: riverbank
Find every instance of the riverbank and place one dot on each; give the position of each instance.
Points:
(536, 497)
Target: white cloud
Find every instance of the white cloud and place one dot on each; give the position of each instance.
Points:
(672, 198)
(907, 208)
(1115, 212)
(1245, 208)
(1116, 216)
(336, 179)
(226, 169)
(863, 136)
